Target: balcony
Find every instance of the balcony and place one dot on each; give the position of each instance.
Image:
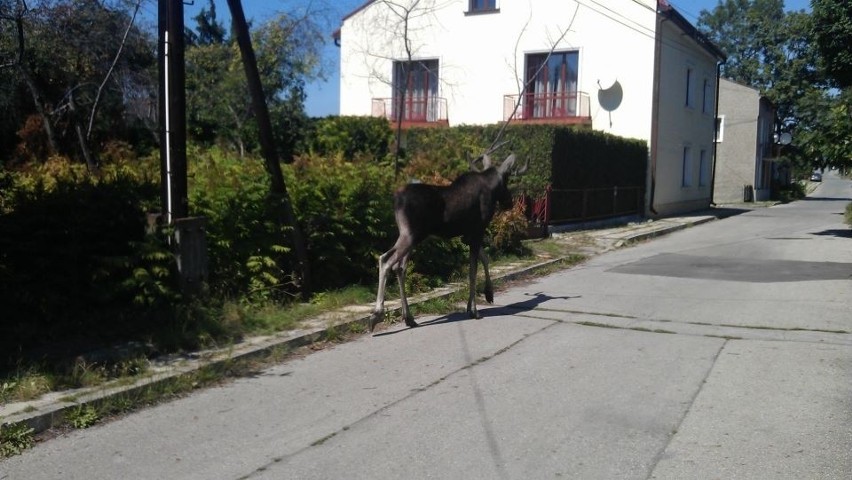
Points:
(570, 108)
(417, 112)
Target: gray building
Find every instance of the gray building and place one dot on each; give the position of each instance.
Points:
(746, 160)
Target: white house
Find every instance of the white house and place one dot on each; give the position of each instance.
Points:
(634, 68)
(746, 157)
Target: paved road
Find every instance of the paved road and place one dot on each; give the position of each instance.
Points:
(721, 351)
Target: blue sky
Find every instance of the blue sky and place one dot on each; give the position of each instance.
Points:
(323, 96)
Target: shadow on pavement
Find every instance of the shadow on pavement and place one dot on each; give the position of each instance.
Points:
(497, 311)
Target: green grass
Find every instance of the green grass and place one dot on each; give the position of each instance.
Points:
(14, 439)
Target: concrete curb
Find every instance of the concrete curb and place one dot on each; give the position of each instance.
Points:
(50, 410)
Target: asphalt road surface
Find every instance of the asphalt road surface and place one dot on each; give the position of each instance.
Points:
(721, 351)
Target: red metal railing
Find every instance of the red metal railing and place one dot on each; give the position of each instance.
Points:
(414, 109)
(547, 106)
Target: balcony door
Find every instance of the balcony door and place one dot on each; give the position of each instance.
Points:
(420, 78)
(551, 85)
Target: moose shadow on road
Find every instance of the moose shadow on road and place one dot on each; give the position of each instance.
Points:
(535, 300)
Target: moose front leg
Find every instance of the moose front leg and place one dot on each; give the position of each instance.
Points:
(384, 268)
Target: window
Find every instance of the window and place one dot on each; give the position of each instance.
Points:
(703, 168)
(688, 102)
(551, 85)
(686, 179)
(720, 128)
(419, 81)
(482, 6)
(706, 97)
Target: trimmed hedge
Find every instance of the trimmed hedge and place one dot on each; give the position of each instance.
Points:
(564, 157)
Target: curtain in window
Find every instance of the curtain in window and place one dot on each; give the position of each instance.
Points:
(421, 101)
(552, 85)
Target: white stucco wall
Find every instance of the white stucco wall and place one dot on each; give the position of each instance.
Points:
(682, 125)
(481, 56)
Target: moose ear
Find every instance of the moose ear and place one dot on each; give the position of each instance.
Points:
(486, 161)
(506, 166)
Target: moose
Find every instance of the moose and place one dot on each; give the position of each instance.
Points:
(464, 208)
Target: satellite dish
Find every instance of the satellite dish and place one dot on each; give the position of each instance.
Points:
(610, 98)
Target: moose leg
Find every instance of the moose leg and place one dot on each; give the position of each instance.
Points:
(384, 268)
(400, 277)
(471, 299)
(489, 288)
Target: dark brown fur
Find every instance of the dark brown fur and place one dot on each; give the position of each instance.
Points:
(462, 209)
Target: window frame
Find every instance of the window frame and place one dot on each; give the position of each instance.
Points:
(419, 105)
(686, 167)
(689, 100)
(720, 128)
(545, 99)
(703, 170)
(487, 6)
(706, 97)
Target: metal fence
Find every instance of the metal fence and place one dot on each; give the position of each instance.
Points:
(569, 205)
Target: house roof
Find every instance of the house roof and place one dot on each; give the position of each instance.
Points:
(336, 33)
(665, 10)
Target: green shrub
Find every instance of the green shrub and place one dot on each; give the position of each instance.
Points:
(351, 137)
(346, 213)
(789, 193)
(69, 254)
(247, 248)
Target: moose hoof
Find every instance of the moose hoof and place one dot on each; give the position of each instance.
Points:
(375, 319)
(489, 296)
(411, 323)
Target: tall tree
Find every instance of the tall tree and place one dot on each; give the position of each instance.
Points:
(76, 57)
(774, 51)
(283, 205)
(219, 106)
(832, 28)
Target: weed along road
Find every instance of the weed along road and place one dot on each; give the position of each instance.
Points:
(719, 351)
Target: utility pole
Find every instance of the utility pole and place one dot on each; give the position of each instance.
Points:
(189, 238)
(172, 116)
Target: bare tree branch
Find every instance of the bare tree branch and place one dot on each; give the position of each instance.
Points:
(111, 68)
(524, 86)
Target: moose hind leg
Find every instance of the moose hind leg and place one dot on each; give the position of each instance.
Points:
(400, 276)
(471, 299)
(489, 288)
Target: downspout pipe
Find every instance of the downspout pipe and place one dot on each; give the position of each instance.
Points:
(716, 131)
(655, 114)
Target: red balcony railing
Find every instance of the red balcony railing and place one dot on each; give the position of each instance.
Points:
(565, 107)
(416, 111)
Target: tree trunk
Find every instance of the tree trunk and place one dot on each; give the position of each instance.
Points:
(283, 207)
(45, 119)
(91, 164)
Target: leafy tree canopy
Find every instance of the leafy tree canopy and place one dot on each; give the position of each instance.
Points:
(775, 52)
(219, 106)
(832, 27)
